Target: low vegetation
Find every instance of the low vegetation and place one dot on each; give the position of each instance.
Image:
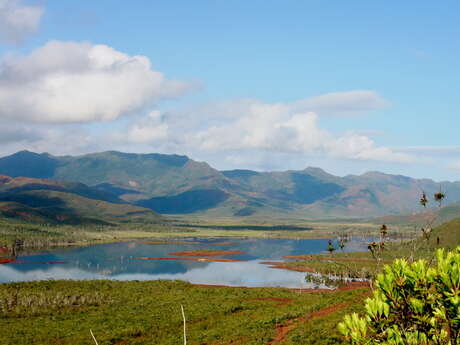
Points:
(149, 313)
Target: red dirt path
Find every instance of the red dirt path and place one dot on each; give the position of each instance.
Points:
(283, 330)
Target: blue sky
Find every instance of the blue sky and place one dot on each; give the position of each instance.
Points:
(267, 85)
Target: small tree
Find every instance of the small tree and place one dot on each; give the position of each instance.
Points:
(413, 304)
(330, 247)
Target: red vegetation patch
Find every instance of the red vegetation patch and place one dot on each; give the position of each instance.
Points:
(161, 242)
(189, 259)
(6, 261)
(283, 266)
(207, 253)
(4, 250)
(19, 262)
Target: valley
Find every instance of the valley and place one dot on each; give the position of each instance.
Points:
(140, 235)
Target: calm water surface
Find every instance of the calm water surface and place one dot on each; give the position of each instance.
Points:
(117, 261)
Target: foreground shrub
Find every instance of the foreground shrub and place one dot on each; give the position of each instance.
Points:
(413, 303)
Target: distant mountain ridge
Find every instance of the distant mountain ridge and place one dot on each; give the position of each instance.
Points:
(177, 184)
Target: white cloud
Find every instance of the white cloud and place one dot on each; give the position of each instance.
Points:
(56, 139)
(246, 133)
(80, 82)
(17, 21)
(363, 148)
(346, 103)
(147, 130)
(280, 128)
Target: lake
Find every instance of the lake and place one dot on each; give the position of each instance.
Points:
(130, 261)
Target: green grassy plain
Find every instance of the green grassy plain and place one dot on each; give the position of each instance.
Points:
(63, 312)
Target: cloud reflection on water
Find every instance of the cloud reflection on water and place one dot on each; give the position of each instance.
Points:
(250, 273)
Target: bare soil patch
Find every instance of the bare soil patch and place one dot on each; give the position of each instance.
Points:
(189, 259)
(207, 253)
(18, 262)
(284, 266)
(6, 261)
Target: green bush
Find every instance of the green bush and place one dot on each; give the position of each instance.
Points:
(413, 303)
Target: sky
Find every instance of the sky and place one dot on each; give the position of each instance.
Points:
(348, 86)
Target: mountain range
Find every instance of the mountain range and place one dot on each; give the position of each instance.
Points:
(175, 184)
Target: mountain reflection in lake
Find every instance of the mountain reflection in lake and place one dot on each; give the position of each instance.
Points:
(117, 261)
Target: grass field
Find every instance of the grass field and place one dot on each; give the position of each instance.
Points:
(63, 312)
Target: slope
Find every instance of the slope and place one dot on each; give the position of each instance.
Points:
(38, 200)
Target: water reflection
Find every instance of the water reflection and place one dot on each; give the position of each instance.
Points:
(116, 261)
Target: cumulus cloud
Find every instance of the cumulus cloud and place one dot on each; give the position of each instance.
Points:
(363, 148)
(17, 21)
(147, 130)
(246, 128)
(244, 133)
(80, 82)
(281, 128)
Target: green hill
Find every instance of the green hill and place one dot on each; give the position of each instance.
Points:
(44, 201)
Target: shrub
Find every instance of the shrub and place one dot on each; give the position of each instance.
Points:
(413, 303)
